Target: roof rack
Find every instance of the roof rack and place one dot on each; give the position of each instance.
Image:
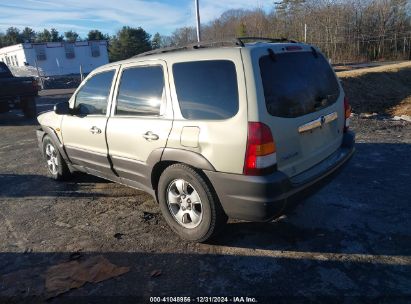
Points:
(272, 40)
(197, 45)
(204, 44)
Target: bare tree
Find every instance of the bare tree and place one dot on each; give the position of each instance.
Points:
(346, 30)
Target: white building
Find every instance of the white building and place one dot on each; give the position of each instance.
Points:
(57, 58)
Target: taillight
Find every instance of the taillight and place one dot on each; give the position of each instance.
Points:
(260, 157)
(347, 114)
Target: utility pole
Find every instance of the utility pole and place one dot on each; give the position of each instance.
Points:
(305, 33)
(404, 47)
(81, 73)
(198, 21)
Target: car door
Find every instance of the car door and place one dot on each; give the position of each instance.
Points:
(140, 121)
(84, 132)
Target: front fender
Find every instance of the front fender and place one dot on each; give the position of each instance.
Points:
(54, 138)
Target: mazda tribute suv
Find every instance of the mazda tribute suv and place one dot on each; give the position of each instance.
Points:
(210, 132)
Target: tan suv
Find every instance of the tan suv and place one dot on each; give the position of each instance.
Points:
(209, 132)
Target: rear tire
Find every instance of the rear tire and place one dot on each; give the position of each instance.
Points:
(189, 204)
(56, 166)
(28, 105)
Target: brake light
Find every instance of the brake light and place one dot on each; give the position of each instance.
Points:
(261, 157)
(293, 48)
(347, 114)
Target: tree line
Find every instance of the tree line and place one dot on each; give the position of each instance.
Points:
(13, 36)
(346, 30)
(126, 43)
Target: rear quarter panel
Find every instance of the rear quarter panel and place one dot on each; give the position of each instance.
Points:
(221, 142)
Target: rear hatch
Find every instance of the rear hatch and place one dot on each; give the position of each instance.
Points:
(302, 102)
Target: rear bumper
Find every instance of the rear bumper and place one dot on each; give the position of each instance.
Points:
(262, 198)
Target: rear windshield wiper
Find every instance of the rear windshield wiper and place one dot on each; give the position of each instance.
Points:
(272, 55)
(314, 51)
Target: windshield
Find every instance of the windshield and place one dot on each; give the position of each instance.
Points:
(297, 83)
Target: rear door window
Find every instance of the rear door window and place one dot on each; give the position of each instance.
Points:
(141, 91)
(297, 83)
(206, 89)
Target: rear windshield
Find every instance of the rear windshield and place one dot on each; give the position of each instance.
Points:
(298, 83)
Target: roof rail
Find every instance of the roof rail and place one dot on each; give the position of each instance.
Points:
(272, 40)
(199, 45)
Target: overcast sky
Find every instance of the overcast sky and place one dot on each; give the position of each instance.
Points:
(162, 16)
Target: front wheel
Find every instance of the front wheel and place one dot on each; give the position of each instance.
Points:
(189, 204)
(57, 167)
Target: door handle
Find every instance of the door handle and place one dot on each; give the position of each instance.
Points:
(95, 130)
(150, 136)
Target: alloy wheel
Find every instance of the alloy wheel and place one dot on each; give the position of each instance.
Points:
(52, 160)
(184, 203)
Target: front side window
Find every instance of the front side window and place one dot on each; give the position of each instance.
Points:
(207, 89)
(93, 96)
(141, 91)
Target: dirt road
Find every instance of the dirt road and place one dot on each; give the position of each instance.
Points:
(349, 242)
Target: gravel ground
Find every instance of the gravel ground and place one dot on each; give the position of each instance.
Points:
(350, 242)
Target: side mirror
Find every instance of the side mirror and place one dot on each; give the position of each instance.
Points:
(62, 108)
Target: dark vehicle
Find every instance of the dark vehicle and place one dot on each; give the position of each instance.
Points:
(17, 92)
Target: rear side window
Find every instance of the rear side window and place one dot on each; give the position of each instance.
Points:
(206, 89)
(141, 91)
(298, 83)
(93, 96)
